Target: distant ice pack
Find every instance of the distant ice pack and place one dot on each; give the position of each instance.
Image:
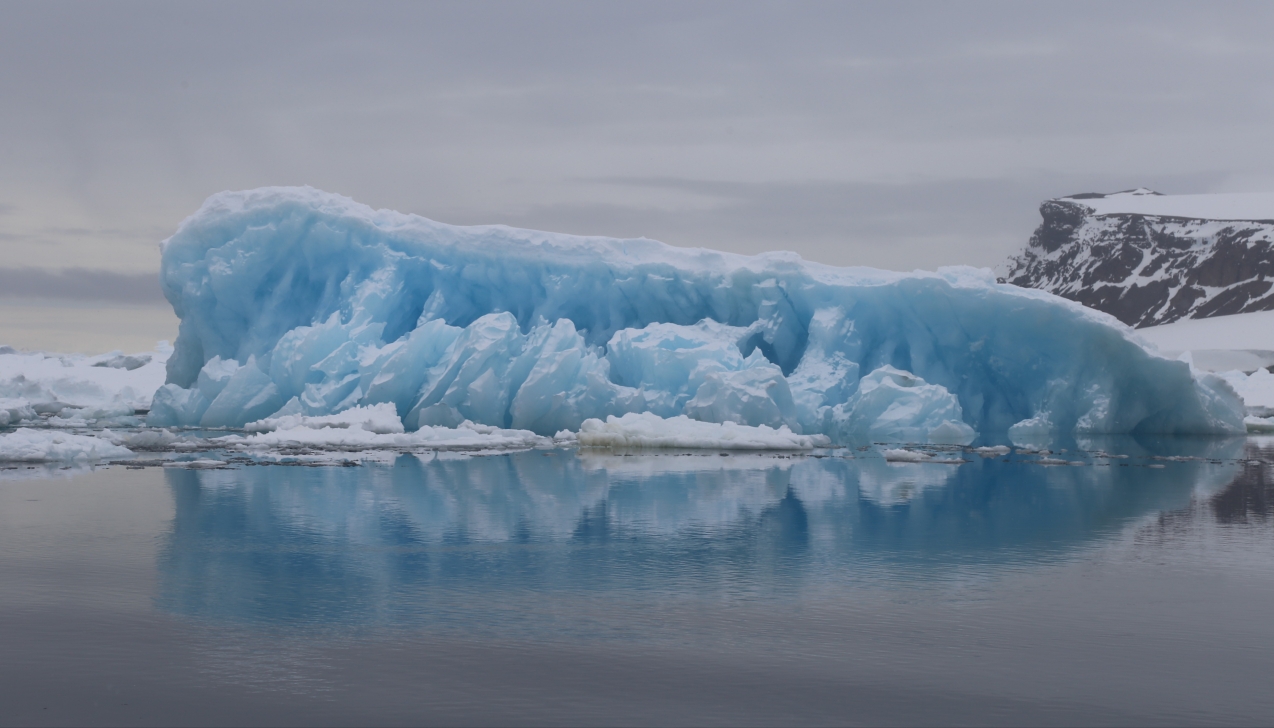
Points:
(298, 303)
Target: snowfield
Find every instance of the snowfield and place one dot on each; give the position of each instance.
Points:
(1234, 206)
(1239, 332)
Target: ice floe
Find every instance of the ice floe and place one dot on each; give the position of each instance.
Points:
(34, 446)
(646, 430)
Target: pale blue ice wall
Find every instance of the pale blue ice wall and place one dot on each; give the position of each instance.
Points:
(336, 304)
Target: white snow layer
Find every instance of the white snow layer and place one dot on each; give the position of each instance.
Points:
(28, 445)
(1234, 206)
(78, 390)
(1238, 332)
(296, 302)
(646, 430)
(1256, 389)
(375, 427)
(379, 419)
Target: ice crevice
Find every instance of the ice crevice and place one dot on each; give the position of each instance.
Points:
(296, 303)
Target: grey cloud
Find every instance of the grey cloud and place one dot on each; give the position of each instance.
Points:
(902, 226)
(81, 285)
(891, 134)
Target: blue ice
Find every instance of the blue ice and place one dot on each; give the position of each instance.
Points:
(299, 301)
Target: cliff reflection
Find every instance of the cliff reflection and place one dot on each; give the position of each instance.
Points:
(458, 538)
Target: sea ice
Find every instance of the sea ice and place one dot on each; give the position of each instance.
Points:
(296, 302)
(1259, 425)
(379, 419)
(375, 427)
(34, 446)
(648, 430)
(78, 390)
(1256, 389)
(905, 456)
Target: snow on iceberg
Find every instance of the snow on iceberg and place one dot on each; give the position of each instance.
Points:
(647, 430)
(298, 301)
(37, 446)
(379, 419)
(371, 427)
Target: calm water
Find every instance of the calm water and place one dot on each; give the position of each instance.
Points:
(550, 587)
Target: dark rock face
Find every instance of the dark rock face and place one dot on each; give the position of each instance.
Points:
(1147, 270)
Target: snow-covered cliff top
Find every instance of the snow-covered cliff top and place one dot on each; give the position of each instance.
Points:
(1141, 201)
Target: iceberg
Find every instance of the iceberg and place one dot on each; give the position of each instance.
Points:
(299, 303)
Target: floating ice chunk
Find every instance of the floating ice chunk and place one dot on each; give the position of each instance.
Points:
(951, 432)
(201, 464)
(374, 428)
(33, 446)
(1034, 433)
(380, 419)
(1057, 461)
(652, 431)
(112, 415)
(905, 456)
(342, 306)
(120, 360)
(15, 410)
(1259, 425)
(993, 450)
(51, 383)
(902, 455)
(147, 439)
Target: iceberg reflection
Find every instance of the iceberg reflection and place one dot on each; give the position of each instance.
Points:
(446, 537)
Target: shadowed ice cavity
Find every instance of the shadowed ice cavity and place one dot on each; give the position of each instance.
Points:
(438, 538)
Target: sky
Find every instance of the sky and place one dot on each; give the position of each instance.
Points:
(895, 135)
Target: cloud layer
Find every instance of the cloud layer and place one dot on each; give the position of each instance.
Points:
(897, 135)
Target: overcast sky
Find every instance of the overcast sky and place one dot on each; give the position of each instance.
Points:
(894, 135)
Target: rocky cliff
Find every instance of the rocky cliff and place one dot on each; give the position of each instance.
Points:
(1151, 259)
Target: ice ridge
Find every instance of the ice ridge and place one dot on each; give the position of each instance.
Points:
(297, 302)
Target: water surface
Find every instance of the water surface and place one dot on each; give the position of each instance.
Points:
(556, 587)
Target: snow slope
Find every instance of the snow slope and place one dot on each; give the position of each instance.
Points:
(301, 302)
(1242, 342)
(1244, 331)
(1234, 206)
